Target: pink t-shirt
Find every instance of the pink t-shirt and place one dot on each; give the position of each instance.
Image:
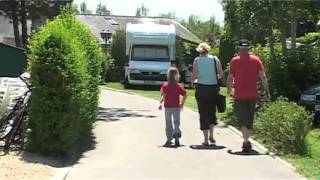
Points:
(172, 94)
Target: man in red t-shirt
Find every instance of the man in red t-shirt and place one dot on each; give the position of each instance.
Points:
(243, 75)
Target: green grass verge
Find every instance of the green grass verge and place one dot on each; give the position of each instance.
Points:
(309, 165)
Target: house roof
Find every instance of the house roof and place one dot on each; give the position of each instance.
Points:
(98, 23)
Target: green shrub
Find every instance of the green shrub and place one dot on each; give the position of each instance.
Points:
(290, 75)
(114, 73)
(94, 59)
(226, 50)
(309, 38)
(283, 126)
(118, 54)
(65, 65)
(313, 144)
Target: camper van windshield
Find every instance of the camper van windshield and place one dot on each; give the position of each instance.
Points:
(150, 53)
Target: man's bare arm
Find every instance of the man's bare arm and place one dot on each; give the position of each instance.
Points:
(220, 69)
(194, 72)
(230, 80)
(265, 83)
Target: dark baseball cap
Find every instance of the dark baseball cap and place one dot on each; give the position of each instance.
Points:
(244, 43)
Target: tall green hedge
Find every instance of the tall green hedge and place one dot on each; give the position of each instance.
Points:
(118, 59)
(65, 65)
(95, 61)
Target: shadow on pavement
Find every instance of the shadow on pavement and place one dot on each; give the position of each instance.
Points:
(115, 114)
(89, 143)
(240, 153)
(171, 146)
(210, 147)
(146, 88)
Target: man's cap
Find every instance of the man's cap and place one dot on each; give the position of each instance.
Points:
(244, 43)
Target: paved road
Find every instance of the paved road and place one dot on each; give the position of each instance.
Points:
(129, 140)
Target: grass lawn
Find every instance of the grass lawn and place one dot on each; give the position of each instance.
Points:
(309, 165)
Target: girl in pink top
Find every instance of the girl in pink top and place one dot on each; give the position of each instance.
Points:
(171, 92)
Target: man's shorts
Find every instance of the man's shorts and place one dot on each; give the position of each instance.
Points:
(244, 110)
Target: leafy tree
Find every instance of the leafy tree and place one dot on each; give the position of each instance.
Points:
(208, 31)
(142, 11)
(84, 9)
(20, 11)
(257, 20)
(118, 59)
(102, 10)
(170, 15)
(75, 8)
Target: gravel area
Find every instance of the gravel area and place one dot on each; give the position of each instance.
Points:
(27, 166)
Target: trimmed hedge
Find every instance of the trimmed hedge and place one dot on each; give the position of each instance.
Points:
(95, 61)
(116, 64)
(65, 64)
(283, 126)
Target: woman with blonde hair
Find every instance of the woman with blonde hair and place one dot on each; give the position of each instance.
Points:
(207, 71)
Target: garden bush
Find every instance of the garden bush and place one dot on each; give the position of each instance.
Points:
(226, 50)
(65, 66)
(118, 56)
(283, 126)
(94, 59)
(293, 73)
(309, 38)
(313, 143)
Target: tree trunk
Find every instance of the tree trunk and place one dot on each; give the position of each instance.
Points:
(271, 44)
(293, 29)
(283, 41)
(270, 35)
(24, 25)
(13, 7)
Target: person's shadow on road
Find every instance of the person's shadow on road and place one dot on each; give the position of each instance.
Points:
(207, 147)
(240, 153)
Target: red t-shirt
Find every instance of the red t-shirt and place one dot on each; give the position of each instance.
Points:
(245, 69)
(172, 94)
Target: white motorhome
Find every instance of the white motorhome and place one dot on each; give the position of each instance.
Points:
(151, 50)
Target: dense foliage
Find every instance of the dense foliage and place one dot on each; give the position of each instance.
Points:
(65, 65)
(283, 126)
(292, 73)
(118, 58)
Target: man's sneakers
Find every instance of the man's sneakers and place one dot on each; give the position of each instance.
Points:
(176, 140)
(246, 147)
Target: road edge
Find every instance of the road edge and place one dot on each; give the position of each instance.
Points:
(62, 173)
